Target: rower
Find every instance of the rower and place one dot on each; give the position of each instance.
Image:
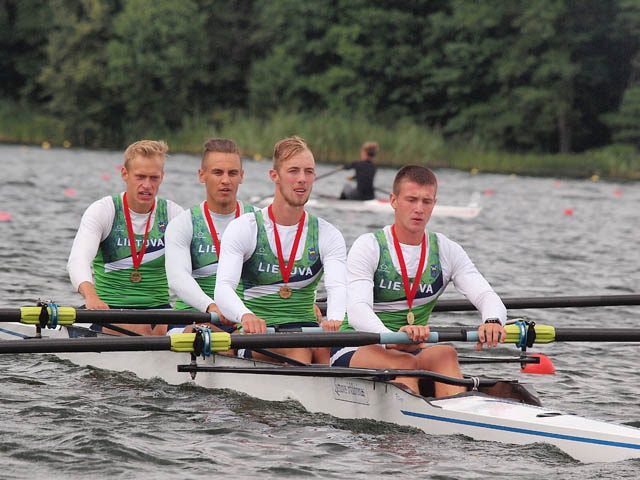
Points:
(278, 256)
(365, 174)
(193, 237)
(395, 276)
(117, 257)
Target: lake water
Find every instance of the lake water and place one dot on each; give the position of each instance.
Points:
(534, 237)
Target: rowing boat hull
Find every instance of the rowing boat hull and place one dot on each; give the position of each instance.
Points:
(474, 414)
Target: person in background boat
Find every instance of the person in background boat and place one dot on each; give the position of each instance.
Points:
(278, 256)
(193, 237)
(117, 257)
(382, 296)
(365, 175)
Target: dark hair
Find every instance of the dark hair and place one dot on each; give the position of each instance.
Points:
(370, 148)
(220, 145)
(414, 173)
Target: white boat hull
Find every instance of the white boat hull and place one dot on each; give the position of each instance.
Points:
(474, 414)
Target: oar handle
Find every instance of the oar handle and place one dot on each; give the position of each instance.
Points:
(455, 335)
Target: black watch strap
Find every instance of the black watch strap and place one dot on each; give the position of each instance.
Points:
(493, 320)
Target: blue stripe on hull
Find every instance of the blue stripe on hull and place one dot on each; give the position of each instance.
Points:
(523, 430)
(11, 332)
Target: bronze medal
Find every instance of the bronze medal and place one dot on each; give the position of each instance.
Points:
(136, 276)
(136, 257)
(285, 269)
(411, 318)
(285, 291)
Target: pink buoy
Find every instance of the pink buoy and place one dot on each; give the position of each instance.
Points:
(568, 211)
(617, 193)
(5, 217)
(488, 192)
(105, 177)
(69, 192)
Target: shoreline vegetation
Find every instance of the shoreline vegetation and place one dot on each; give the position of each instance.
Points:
(336, 139)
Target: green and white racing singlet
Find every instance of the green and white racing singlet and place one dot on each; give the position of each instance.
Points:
(113, 265)
(389, 297)
(261, 279)
(204, 259)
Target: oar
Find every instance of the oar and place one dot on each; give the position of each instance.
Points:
(71, 315)
(221, 341)
(515, 303)
(329, 173)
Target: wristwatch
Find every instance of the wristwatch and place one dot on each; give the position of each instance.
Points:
(493, 320)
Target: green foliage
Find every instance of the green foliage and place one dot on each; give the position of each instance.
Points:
(520, 76)
(625, 123)
(24, 29)
(73, 79)
(23, 124)
(153, 62)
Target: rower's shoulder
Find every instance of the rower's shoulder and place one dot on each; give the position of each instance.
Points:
(326, 226)
(101, 206)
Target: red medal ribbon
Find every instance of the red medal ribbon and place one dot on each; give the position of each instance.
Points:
(212, 228)
(286, 270)
(410, 291)
(136, 257)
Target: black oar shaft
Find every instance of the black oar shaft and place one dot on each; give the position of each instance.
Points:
(141, 316)
(85, 344)
(597, 335)
(10, 315)
(178, 317)
(515, 303)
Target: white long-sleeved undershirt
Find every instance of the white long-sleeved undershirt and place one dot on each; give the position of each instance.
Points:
(362, 263)
(178, 257)
(240, 240)
(95, 226)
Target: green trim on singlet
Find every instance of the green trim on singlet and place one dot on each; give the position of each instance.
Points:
(113, 265)
(203, 252)
(261, 279)
(388, 288)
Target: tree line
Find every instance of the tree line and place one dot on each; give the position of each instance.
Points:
(544, 76)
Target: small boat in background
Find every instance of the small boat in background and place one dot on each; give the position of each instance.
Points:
(378, 205)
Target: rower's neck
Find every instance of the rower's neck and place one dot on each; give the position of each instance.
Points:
(409, 238)
(221, 208)
(284, 213)
(139, 208)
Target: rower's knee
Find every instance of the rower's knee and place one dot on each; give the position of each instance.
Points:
(448, 354)
(406, 362)
(437, 357)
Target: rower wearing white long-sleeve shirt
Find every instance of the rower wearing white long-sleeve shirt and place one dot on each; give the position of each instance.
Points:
(395, 276)
(278, 254)
(117, 257)
(193, 238)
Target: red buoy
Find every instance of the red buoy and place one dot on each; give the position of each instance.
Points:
(545, 367)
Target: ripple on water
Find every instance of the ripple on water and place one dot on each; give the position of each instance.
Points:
(64, 421)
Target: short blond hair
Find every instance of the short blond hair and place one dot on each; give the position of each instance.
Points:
(145, 148)
(287, 148)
